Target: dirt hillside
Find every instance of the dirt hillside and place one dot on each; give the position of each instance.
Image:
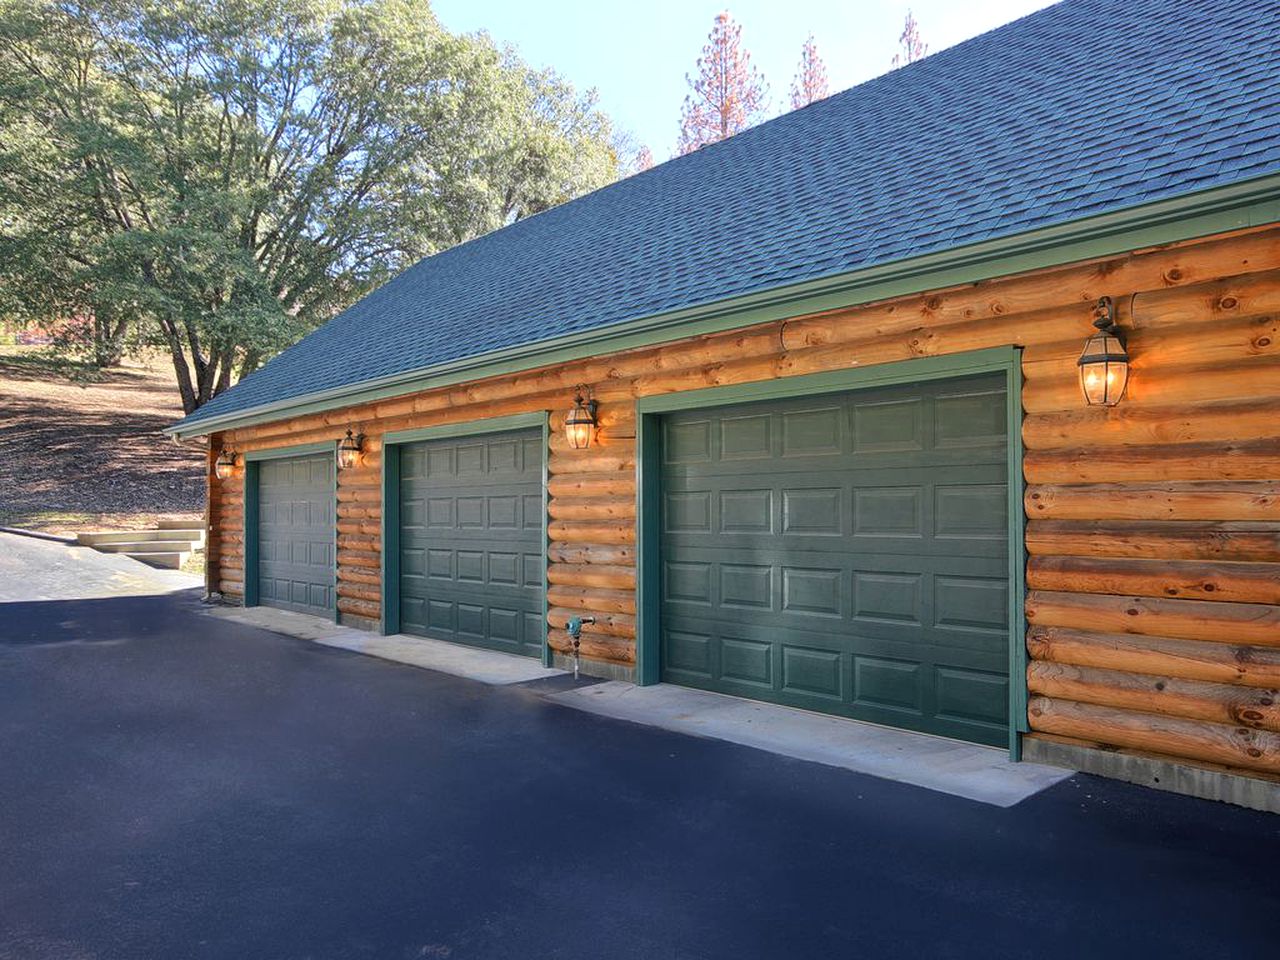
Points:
(79, 455)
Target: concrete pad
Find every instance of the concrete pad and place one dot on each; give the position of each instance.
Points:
(471, 663)
(961, 769)
(44, 569)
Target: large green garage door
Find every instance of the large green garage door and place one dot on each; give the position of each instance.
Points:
(471, 540)
(295, 534)
(844, 553)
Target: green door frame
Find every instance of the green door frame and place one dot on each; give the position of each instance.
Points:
(252, 462)
(1006, 360)
(392, 444)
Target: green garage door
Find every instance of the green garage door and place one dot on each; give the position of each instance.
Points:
(295, 534)
(471, 539)
(844, 553)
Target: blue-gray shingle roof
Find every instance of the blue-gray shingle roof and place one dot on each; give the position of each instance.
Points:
(1083, 108)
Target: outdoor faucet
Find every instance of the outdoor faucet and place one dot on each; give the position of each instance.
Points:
(574, 626)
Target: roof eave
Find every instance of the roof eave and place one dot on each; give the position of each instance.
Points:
(1240, 205)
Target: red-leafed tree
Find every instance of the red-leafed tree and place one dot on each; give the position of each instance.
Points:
(728, 95)
(912, 48)
(643, 160)
(810, 83)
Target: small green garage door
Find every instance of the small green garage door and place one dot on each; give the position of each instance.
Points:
(845, 553)
(471, 540)
(296, 533)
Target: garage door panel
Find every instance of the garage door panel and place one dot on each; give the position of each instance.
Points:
(471, 540)
(296, 516)
(845, 553)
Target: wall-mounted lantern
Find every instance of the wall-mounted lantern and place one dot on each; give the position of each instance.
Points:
(225, 465)
(1104, 362)
(580, 424)
(349, 450)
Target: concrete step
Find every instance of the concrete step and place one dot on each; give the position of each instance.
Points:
(144, 544)
(180, 525)
(193, 535)
(166, 559)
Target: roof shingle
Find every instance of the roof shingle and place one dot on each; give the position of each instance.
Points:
(1083, 108)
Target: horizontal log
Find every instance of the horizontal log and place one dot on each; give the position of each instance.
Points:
(232, 587)
(360, 608)
(593, 485)
(585, 531)
(358, 591)
(592, 600)
(849, 343)
(612, 508)
(364, 482)
(587, 461)
(602, 441)
(598, 647)
(1164, 386)
(347, 574)
(1129, 424)
(1233, 746)
(232, 573)
(1225, 344)
(1254, 460)
(360, 495)
(1238, 623)
(1205, 500)
(607, 624)
(1159, 656)
(1076, 284)
(357, 527)
(1215, 581)
(360, 559)
(352, 511)
(592, 553)
(719, 373)
(364, 542)
(1192, 699)
(1246, 295)
(1171, 540)
(592, 575)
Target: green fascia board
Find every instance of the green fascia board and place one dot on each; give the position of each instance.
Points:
(1248, 203)
(1007, 360)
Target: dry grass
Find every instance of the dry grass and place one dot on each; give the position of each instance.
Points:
(83, 449)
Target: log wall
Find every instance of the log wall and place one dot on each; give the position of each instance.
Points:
(1153, 528)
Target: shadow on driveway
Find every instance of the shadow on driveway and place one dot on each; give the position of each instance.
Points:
(177, 786)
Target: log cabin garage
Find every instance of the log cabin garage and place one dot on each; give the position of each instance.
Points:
(948, 402)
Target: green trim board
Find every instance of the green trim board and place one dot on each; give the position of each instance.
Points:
(393, 444)
(253, 461)
(285, 453)
(1005, 360)
(1249, 203)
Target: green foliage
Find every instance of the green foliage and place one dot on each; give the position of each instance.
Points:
(220, 176)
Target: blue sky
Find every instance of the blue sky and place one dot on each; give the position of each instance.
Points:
(637, 54)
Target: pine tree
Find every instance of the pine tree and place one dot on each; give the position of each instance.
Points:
(810, 83)
(728, 94)
(913, 48)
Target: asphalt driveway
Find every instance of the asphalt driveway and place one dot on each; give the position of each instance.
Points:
(173, 785)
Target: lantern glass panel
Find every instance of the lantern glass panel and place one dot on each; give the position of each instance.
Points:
(1104, 370)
